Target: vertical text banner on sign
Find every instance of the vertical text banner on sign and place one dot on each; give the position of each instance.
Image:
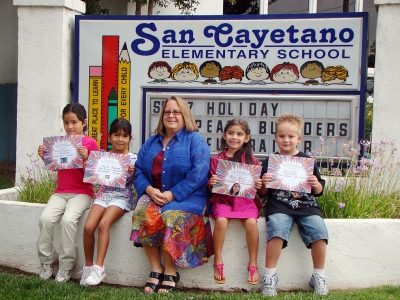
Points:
(251, 67)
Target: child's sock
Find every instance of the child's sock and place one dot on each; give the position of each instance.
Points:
(269, 272)
(320, 272)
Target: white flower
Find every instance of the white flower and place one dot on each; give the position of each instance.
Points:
(370, 99)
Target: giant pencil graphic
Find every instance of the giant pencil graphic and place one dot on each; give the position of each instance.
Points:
(112, 111)
(94, 103)
(109, 72)
(124, 83)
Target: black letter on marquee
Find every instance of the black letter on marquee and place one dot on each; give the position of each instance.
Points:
(263, 147)
(209, 142)
(198, 122)
(307, 128)
(252, 109)
(157, 107)
(264, 111)
(209, 125)
(272, 127)
(210, 107)
(220, 128)
(319, 128)
(221, 108)
(307, 146)
(343, 129)
(274, 107)
(253, 142)
(229, 109)
(330, 130)
(263, 127)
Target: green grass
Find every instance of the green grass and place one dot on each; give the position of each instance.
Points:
(23, 286)
(6, 183)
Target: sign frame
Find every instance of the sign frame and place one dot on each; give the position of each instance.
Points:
(148, 95)
(103, 26)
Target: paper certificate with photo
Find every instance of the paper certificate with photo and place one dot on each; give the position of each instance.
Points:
(106, 168)
(236, 179)
(290, 172)
(61, 152)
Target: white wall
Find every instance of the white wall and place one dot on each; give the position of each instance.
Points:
(45, 70)
(8, 42)
(387, 76)
(361, 253)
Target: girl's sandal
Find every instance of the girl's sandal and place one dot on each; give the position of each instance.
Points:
(154, 286)
(221, 273)
(170, 278)
(252, 270)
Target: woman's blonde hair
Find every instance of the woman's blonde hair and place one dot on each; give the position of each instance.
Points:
(190, 124)
(290, 118)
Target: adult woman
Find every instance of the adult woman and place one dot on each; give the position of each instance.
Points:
(171, 180)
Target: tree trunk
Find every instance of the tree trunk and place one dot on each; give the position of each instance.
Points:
(345, 5)
(138, 10)
(150, 6)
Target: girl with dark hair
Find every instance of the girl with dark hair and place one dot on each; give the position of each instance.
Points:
(110, 204)
(71, 198)
(235, 146)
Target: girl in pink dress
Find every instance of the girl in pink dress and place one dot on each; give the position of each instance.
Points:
(236, 146)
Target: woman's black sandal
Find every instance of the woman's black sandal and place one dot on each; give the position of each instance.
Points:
(152, 285)
(171, 278)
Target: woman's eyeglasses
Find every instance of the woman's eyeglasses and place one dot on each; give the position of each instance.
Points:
(174, 112)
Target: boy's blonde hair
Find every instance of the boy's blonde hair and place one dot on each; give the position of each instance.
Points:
(190, 123)
(290, 118)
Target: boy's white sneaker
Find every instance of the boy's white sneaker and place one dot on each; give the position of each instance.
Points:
(46, 271)
(96, 275)
(85, 273)
(318, 283)
(63, 276)
(269, 285)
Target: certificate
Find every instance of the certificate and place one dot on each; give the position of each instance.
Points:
(290, 172)
(236, 179)
(61, 152)
(105, 168)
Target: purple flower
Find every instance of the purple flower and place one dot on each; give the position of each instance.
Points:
(341, 204)
(30, 155)
(339, 184)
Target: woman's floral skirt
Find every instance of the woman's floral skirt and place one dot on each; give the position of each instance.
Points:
(185, 236)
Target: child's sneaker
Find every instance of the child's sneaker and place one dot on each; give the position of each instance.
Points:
(96, 275)
(269, 285)
(46, 271)
(318, 283)
(63, 276)
(85, 273)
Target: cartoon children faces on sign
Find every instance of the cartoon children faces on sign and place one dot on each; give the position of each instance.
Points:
(159, 71)
(257, 73)
(185, 72)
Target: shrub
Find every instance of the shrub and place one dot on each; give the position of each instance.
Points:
(362, 186)
(38, 184)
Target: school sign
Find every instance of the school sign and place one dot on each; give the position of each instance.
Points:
(254, 68)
